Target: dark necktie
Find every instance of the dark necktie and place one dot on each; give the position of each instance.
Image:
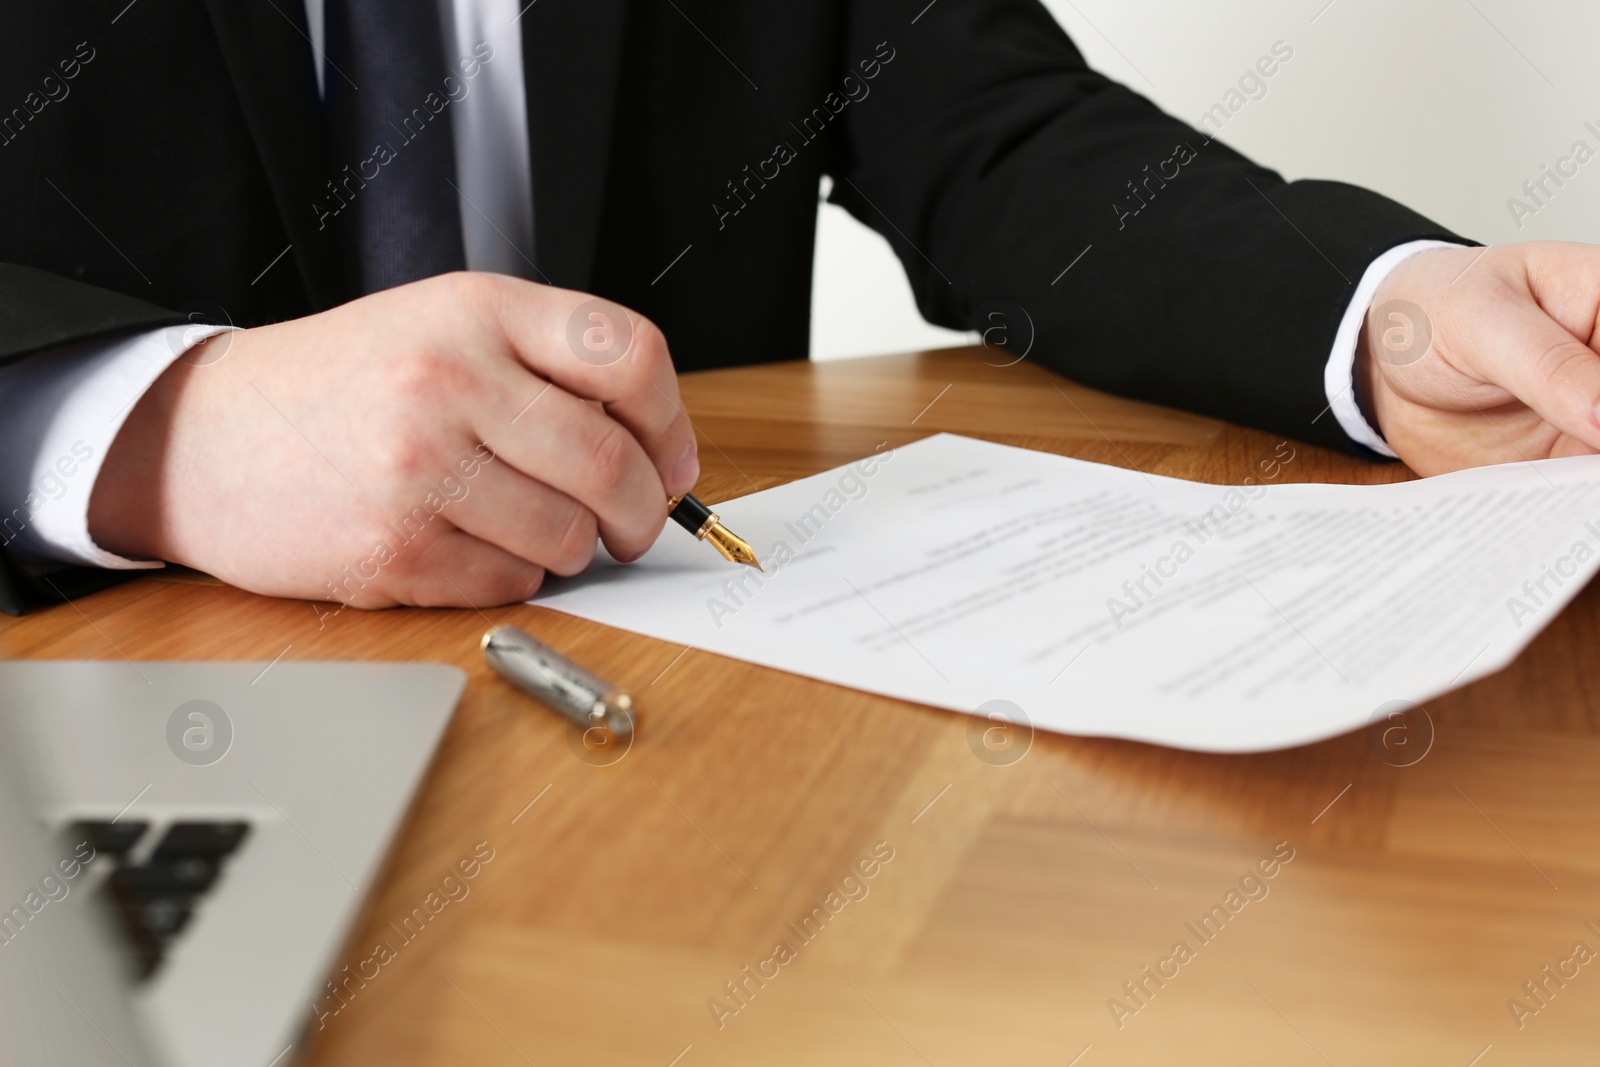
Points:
(392, 151)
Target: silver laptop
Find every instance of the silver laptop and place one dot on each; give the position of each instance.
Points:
(183, 847)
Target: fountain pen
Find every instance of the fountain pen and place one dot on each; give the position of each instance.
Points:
(699, 520)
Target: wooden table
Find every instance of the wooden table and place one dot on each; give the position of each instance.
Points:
(1020, 898)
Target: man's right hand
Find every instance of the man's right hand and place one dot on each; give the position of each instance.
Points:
(341, 456)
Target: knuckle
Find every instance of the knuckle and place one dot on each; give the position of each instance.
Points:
(574, 549)
(526, 585)
(402, 460)
(464, 290)
(1565, 363)
(428, 373)
(648, 356)
(409, 562)
(610, 455)
(648, 340)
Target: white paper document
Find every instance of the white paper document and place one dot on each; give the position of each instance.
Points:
(956, 572)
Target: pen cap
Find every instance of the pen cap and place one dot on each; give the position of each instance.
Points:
(555, 681)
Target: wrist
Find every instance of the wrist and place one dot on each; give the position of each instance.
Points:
(128, 507)
(1395, 333)
(1362, 382)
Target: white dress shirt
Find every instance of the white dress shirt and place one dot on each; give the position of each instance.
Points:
(60, 410)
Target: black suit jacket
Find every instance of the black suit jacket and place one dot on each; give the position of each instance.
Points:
(155, 159)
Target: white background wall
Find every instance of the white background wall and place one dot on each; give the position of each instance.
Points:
(1446, 105)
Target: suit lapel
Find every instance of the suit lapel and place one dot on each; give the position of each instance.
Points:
(268, 54)
(572, 55)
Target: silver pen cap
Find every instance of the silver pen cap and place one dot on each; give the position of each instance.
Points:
(555, 681)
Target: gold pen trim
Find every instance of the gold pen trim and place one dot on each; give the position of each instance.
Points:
(732, 547)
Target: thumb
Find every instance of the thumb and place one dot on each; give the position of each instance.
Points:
(1523, 350)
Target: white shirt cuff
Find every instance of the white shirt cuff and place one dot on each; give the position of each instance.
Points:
(59, 412)
(1338, 379)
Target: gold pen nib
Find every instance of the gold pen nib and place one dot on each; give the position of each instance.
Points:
(701, 521)
(733, 547)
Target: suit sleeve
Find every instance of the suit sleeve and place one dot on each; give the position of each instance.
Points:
(1147, 258)
(40, 312)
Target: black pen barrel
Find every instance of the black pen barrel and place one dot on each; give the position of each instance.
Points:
(691, 514)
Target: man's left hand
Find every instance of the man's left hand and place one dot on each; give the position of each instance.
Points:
(1474, 356)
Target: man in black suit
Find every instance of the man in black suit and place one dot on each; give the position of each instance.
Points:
(388, 428)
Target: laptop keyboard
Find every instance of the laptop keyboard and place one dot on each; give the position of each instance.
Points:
(154, 898)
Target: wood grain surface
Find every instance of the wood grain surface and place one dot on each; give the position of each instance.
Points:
(1434, 871)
